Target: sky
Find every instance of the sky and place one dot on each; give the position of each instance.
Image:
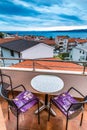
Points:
(41, 15)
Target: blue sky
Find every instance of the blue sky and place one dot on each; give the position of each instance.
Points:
(43, 14)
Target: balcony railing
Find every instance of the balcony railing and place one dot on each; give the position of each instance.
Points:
(73, 73)
(52, 65)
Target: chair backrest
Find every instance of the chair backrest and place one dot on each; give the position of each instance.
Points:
(12, 105)
(6, 82)
(77, 107)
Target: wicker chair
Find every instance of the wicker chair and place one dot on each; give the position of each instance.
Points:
(21, 103)
(68, 105)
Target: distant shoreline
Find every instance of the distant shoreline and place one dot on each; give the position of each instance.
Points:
(80, 33)
(44, 30)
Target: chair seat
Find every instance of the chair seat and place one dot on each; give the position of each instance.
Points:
(64, 101)
(23, 98)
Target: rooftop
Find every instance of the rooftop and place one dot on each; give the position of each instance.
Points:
(50, 64)
(19, 45)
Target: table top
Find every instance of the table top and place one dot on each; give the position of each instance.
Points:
(47, 83)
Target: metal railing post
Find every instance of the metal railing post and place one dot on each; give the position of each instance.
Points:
(33, 65)
(83, 69)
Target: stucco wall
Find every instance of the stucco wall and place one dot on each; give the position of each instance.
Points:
(38, 51)
(78, 81)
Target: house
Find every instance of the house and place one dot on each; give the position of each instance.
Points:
(25, 49)
(79, 53)
(61, 43)
(65, 44)
(81, 42)
(71, 43)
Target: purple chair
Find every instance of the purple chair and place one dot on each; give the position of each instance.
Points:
(21, 103)
(68, 105)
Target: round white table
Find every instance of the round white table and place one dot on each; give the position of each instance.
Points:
(47, 84)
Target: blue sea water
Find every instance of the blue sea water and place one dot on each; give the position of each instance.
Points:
(72, 34)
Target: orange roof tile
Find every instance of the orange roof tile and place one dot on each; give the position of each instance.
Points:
(3, 40)
(81, 40)
(62, 37)
(71, 40)
(49, 42)
(50, 65)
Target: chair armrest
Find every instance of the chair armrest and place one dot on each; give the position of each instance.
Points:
(72, 88)
(76, 106)
(21, 85)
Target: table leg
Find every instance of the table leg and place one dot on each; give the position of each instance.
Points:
(46, 106)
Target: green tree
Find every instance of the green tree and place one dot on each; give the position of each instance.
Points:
(51, 38)
(1, 35)
(63, 55)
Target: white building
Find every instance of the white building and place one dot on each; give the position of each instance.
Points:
(61, 42)
(25, 49)
(64, 43)
(71, 43)
(79, 53)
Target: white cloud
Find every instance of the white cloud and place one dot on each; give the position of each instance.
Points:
(20, 2)
(74, 8)
(50, 17)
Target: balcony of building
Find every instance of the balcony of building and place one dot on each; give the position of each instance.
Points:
(72, 73)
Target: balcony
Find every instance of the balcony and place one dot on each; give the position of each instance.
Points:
(72, 73)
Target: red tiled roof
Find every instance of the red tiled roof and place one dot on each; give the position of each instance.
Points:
(71, 40)
(81, 40)
(50, 65)
(4, 40)
(62, 37)
(49, 42)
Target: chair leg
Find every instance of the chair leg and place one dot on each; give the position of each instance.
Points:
(49, 110)
(8, 113)
(66, 123)
(38, 114)
(17, 121)
(81, 119)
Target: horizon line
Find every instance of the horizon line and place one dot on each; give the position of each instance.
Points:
(55, 28)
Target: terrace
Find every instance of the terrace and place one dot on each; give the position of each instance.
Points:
(72, 73)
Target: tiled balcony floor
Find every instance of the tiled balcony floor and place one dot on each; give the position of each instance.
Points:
(29, 120)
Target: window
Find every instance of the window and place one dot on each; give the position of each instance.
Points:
(12, 53)
(83, 52)
(71, 56)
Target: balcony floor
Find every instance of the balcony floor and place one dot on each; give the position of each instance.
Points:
(29, 120)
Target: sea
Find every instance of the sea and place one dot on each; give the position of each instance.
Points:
(72, 33)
